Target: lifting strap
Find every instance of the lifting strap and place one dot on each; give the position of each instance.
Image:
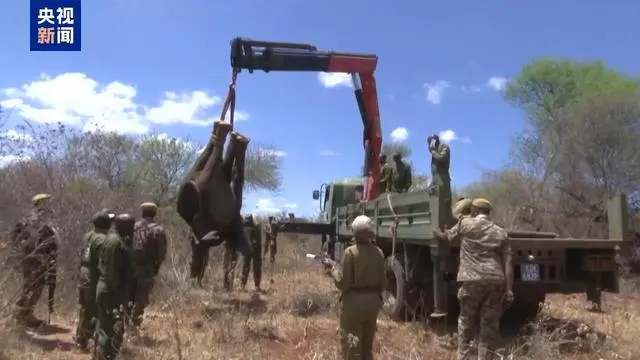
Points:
(230, 100)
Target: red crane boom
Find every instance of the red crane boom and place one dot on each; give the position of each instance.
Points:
(247, 54)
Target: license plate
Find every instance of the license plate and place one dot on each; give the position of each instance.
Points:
(530, 272)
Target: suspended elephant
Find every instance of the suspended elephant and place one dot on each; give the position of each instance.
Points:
(210, 198)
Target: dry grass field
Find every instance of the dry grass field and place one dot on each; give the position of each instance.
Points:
(295, 318)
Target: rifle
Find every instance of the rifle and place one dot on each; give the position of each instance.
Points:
(51, 282)
(323, 258)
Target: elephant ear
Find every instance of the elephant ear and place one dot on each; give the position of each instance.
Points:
(188, 201)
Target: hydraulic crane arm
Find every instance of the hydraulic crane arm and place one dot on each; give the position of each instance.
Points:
(276, 56)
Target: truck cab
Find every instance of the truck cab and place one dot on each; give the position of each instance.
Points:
(336, 194)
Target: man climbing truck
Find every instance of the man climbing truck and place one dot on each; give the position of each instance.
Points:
(421, 269)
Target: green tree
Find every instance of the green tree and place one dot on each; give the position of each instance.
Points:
(580, 140)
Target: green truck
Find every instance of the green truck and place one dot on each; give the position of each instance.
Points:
(421, 269)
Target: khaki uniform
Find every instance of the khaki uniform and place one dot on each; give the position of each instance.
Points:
(361, 279)
(35, 241)
(483, 248)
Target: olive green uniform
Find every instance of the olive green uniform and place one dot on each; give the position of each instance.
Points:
(401, 177)
(440, 161)
(386, 171)
(86, 294)
(361, 280)
(255, 260)
(111, 269)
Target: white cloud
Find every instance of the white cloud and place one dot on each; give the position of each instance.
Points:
(268, 206)
(435, 91)
(497, 83)
(7, 160)
(331, 80)
(187, 144)
(328, 153)
(76, 99)
(272, 152)
(470, 89)
(16, 136)
(400, 134)
(448, 136)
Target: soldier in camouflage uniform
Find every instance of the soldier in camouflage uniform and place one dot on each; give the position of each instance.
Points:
(253, 233)
(440, 161)
(401, 175)
(271, 231)
(86, 295)
(199, 259)
(386, 171)
(111, 269)
(485, 275)
(149, 252)
(35, 241)
(361, 280)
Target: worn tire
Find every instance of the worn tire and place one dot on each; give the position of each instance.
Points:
(395, 294)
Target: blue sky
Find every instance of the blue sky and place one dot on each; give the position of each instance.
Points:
(135, 51)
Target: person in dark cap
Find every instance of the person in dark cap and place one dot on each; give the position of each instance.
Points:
(401, 176)
(102, 221)
(149, 250)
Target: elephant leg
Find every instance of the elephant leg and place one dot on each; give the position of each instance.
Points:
(229, 156)
(240, 150)
(205, 224)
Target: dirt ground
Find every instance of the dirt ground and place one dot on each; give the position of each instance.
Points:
(295, 318)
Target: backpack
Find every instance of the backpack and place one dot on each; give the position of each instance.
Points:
(143, 245)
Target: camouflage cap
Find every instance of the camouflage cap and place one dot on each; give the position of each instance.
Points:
(481, 203)
(40, 197)
(148, 205)
(460, 206)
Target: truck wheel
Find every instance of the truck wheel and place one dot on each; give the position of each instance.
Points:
(395, 294)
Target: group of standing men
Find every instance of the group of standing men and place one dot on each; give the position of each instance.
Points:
(117, 274)
(251, 263)
(118, 265)
(396, 176)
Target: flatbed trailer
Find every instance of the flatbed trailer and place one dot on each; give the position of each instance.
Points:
(422, 269)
